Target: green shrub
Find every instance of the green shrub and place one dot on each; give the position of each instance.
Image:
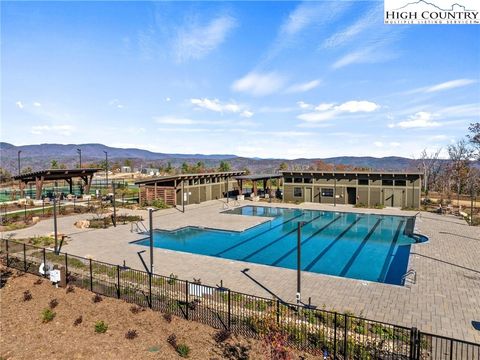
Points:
(183, 350)
(47, 315)
(101, 327)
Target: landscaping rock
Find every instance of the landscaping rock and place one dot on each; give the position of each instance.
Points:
(82, 224)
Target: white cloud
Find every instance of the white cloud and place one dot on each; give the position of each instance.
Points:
(327, 111)
(303, 87)
(221, 107)
(378, 143)
(37, 104)
(324, 106)
(449, 85)
(366, 22)
(304, 105)
(19, 104)
(421, 119)
(246, 114)
(357, 106)
(394, 144)
(167, 99)
(65, 130)
(365, 55)
(259, 84)
(196, 41)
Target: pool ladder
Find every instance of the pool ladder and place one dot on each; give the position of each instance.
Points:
(138, 227)
(407, 275)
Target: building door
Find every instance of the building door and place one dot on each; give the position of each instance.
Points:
(352, 195)
(388, 198)
(398, 198)
(308, 194)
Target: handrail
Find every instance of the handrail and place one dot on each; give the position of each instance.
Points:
(407, 274)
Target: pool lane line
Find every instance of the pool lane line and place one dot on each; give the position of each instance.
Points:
(390, 251)
(255, 236)
(280, 238)
(324, 251)
(350, 262)
(304, 241)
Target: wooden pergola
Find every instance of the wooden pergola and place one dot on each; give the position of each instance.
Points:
(39, 177)
(254, 178)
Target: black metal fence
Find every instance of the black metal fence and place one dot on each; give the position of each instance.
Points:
(331, 334)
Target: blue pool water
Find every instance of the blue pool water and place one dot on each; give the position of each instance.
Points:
(359, 246)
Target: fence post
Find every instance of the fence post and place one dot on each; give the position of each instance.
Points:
(345, 339)
(413, 343)
(150, 289)
(451, 340)
(44, 263)
(24, 257)
(66, 268)
(6, 248)
(186, 299)
(91, 276)
(335, 336)
(118, 281)
(229, 310)
(278, 312)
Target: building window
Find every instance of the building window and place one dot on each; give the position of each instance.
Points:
(298, 180)
(400, 183)
(288, 180)
(297, 192)
(308, 180)
(362, 181)
(327, 192)
(387, 182)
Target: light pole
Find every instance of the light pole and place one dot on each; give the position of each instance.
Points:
(150, 221)
(79, 151)
(18, 154)
(114, 207)
(106, 167)
(299, 261)
(334, 187)
(55, 222)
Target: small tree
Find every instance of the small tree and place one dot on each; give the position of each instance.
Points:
(224, 166)
(474, 138)
(53, 164)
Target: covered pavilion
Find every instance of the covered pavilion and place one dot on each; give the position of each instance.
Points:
(39, 177)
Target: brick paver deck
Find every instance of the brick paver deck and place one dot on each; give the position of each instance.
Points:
(444, 300)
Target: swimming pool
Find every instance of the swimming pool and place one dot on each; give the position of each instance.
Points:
(359, 246)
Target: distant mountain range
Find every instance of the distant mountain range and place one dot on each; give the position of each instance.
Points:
(39, 157)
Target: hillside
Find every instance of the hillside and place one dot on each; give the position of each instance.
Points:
(39, 156)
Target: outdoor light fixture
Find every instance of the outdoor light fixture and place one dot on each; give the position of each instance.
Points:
(79, 151)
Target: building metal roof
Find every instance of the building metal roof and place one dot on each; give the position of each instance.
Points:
(351, 172)
(55, 174)
(258, 177)
(189, 176)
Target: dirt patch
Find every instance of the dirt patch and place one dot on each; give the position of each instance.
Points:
(25, 336)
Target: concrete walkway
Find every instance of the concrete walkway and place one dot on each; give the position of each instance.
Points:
(444, 300)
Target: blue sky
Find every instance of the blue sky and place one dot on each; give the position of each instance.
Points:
(266, 79)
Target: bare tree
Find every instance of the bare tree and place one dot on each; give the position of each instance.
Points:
(459, 154)
(429, 165)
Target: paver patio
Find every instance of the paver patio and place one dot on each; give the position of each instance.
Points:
(444, 300)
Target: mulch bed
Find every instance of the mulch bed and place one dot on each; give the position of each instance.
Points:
(25, 336)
